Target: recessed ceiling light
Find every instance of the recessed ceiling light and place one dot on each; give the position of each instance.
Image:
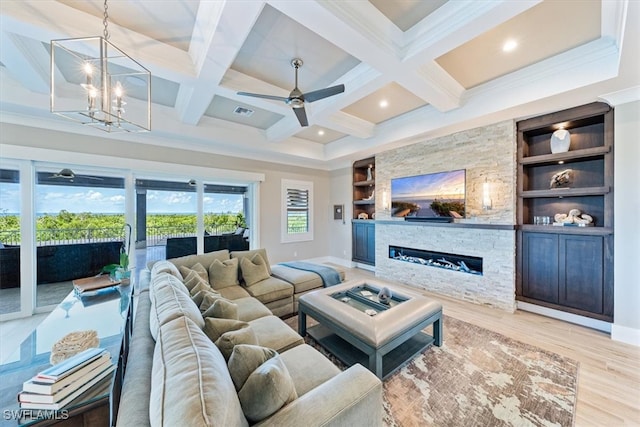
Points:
(320, 132)
(384, 103)
(509, 45)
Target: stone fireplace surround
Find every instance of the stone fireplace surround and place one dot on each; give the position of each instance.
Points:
(487, 154)
(494, 244)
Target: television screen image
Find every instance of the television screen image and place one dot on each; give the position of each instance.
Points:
(429, 196)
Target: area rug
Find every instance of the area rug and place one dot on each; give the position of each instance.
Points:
(479, 378)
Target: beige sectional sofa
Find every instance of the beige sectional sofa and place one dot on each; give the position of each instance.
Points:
(210, 352)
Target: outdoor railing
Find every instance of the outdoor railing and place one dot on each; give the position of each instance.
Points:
(155, 236)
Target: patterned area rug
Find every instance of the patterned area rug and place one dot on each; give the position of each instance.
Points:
(479, 378)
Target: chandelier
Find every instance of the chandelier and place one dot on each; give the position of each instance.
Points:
(96, 84)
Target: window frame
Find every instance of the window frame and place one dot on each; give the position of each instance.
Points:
(285, 235)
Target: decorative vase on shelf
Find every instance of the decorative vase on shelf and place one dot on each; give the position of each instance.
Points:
(370, 173)
(560, 141)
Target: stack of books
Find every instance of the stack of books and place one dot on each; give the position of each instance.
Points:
(56, 387)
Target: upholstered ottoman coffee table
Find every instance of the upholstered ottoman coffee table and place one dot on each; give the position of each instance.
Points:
(357, 328)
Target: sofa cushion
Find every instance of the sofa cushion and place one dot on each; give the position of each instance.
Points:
(164, 266)
(245, 359)
(270, 289)
(273, 333)
(267, 389)
(298, 359)
(190, 381)
(302, 280)
(250, 308)
(215, 327)
(204, 259)
(168, 303)
(254, 269)
(223, 274)
(250, 254)
(234, 292)
(229, 340)
(166, 278)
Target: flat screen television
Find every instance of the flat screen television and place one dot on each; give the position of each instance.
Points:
(430, 197)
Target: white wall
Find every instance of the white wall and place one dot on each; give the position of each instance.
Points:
(341, 192)
(626, 325)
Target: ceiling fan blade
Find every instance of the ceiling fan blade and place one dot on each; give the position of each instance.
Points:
(323, 93)
(302, 116)
(258, 95)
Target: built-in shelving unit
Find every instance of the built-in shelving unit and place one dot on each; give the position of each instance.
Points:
(364, 204)
(568, 268)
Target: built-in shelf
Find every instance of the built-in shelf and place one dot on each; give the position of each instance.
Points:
(566, 192)
(364, 202)
(364, 183)
(593, 231)
(568, 157)
(569, 268)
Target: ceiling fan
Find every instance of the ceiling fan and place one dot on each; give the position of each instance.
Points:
(297, 99)
(69, 174)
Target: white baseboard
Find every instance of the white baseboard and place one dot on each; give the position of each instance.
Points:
(625, 334)
(368, 267)
(567, 317)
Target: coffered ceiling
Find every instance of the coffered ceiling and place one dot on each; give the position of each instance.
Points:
(411, 69)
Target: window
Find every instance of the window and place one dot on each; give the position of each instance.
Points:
(297, 211)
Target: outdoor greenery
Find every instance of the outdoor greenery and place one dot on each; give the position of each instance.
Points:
(67, 225)
(443, 208)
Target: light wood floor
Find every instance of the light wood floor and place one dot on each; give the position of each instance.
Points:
(609, 372)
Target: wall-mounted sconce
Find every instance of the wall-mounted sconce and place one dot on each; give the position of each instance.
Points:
(385, 200)
(486, 195)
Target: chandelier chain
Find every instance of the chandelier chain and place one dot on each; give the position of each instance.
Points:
(104, 21)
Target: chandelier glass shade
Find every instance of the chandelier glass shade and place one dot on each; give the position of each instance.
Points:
(96, 84)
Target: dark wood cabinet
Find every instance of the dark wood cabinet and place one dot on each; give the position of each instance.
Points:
(364, 241)
(567, 267)
(364, 209)
(566, 271)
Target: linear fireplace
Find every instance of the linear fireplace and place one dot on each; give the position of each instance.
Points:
(453, 262)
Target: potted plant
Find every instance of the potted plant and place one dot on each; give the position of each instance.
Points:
(121, 270)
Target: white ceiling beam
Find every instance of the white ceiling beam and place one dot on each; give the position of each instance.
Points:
(218, 35)
(54, 20)
(19, 53)
(341, 25)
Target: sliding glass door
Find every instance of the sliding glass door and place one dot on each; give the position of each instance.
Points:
(10, 289)
(79, 229)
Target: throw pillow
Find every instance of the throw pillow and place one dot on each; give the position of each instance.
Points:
(245, 359)
(202, 286)
(228, 340)
(214, 328)
(223, 274)
(199, 298)
(222, 308)
(194, 278)
(209, 298)
(254, 270)
(197, 267)
(267, 389)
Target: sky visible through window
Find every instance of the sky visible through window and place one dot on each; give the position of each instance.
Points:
(52, 199)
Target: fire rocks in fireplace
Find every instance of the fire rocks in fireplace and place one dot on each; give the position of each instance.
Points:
(462, 263)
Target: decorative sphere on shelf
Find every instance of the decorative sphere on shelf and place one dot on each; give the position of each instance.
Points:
(384, 296)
